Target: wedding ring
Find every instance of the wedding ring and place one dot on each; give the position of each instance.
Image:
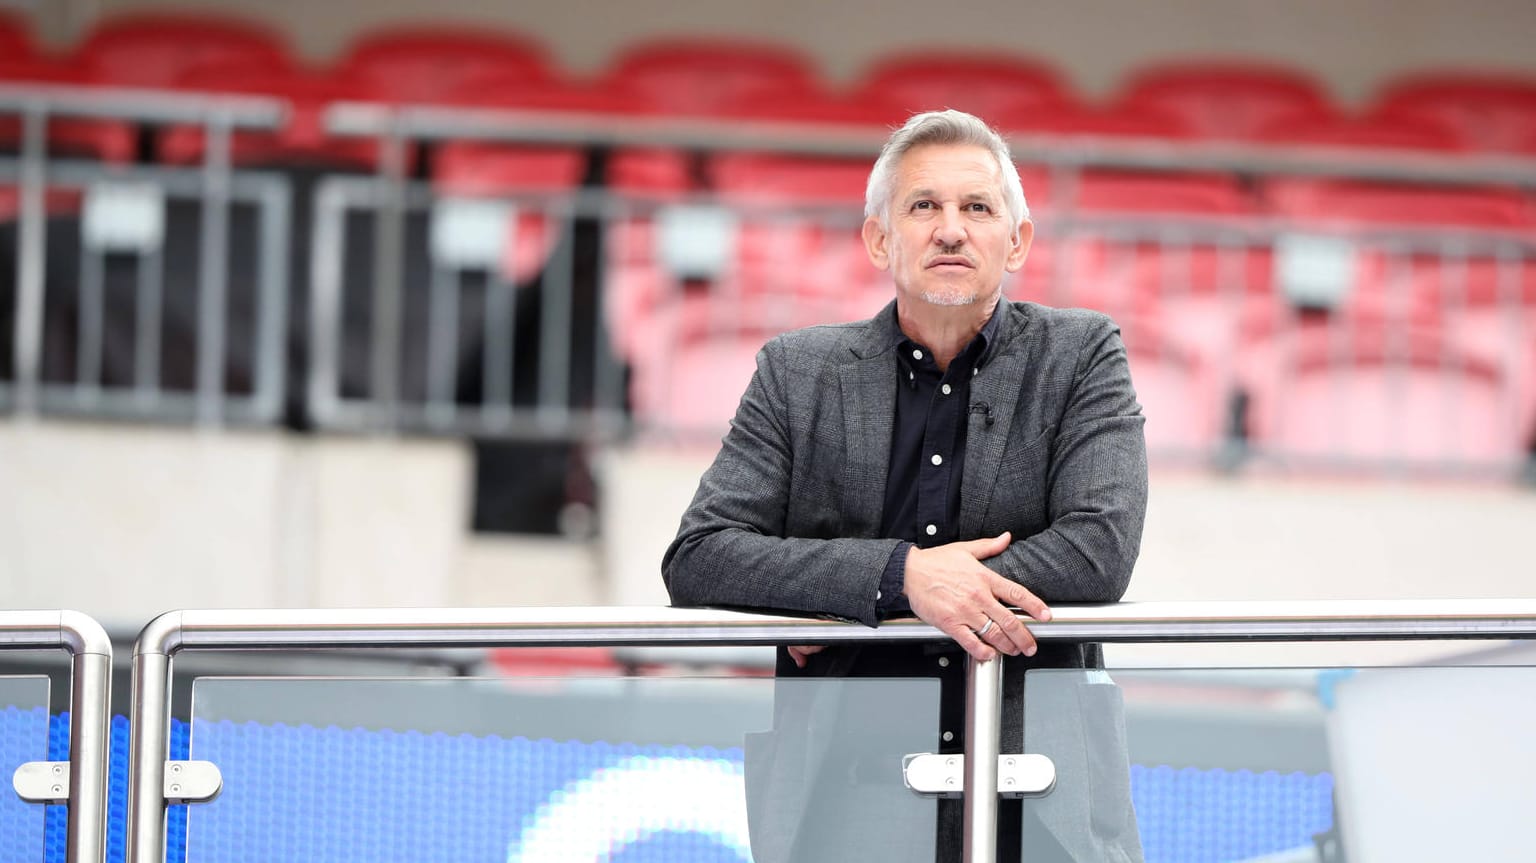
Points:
(982, 632)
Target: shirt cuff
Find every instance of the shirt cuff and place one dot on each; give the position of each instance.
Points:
(891, 601)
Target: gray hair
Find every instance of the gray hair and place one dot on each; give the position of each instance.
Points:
(942, 128)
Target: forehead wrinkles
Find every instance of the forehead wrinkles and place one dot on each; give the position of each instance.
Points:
(965, 172)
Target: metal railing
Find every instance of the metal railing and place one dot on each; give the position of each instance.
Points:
(216, 187)
(90, 716)
(180, 631)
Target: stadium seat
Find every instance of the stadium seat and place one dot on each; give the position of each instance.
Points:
(15, 39)
(485, 170)
(707, 77)
(108, 140)
(1069, 121)
(427, 63)
(1355, 202)
(823, 110)
(980, 84)
(158, 49)
(1489, 111)
(302, 140)
(1383, 133)
(1233, 99)
(1381, 395)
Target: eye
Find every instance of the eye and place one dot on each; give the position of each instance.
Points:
(923, 205)
(979, 207)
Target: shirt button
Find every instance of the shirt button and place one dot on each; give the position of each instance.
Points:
(911, 376)
(937, 459)
(931, 529)
(877, 596)
(944, 389)
(974, 371)
(948, 736)
(943, 662)
(917, 355)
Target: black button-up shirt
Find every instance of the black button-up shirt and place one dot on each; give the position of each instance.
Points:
(922, 487)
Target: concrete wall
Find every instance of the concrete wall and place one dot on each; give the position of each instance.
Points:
(1352, 44)
(124, 522)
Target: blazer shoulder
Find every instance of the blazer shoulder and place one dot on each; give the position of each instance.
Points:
(823, 341)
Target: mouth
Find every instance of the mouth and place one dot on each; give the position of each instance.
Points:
(950, 262)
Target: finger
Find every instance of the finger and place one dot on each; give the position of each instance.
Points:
(799, 655)
(1011, 636)
(989, 546)
(979, 650)
(1015, 594)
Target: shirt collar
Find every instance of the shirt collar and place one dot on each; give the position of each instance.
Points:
(977, 352)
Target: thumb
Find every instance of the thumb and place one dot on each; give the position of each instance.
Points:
(989, 546)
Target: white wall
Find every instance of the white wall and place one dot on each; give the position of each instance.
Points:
(1354, 44)
(124, 522)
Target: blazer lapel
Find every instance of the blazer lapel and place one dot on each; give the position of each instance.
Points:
(997, 386)
(868, 391)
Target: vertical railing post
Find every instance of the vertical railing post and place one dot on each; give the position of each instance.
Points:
(90, 731)
(983, 734)
(149, 739)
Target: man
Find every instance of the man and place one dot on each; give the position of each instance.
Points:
(954, 457)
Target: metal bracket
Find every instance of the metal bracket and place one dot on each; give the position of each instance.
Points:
(192, 782)
(42, 782)
(933, 775)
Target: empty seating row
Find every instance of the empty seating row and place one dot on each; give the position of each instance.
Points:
(1449, 112)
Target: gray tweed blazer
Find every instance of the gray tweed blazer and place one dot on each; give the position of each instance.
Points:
(787, 519)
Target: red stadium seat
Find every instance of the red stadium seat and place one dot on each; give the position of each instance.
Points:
(1385, 133)
(427, 63)
(15, 39)
(1353, 202)
(158, 49)
(1225, 99)
(491, 170)
(867, 113)
(302, 139)
(107, 140)
(1067, 121)
(980, 84)
(1489, 111)
(710, 77)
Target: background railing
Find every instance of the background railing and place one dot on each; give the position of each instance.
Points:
(516, 274)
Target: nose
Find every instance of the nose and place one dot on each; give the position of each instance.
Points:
(950, 231)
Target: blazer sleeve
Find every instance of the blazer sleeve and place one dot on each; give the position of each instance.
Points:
(733, 547)
(1096, 485)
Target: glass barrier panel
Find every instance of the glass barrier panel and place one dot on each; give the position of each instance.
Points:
(23, 738)
(528, 770)
(1281, 765)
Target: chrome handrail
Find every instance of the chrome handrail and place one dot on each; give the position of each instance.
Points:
(90, 717)
(259, 629)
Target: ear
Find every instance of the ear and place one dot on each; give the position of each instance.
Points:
(1020, 249)
(876, 244)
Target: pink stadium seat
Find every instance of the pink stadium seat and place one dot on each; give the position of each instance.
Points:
(1387, 396)
(1180, 390)
(982, 84)
(709, 77)
(157, 49)
(465, 169)
(425, 63)
(695, 388)
(1233, 99)
(302, 140)
(1488, 110)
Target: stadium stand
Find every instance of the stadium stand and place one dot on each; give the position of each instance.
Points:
(1228, 99)
(1488, 111)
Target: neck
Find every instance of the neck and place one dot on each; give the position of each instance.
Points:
(944, 330)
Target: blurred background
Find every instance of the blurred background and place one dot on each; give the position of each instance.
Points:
(395, 304)
(328, 304)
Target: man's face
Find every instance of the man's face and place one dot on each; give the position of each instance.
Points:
(949, 237)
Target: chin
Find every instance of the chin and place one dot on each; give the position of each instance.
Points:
(950, 297)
